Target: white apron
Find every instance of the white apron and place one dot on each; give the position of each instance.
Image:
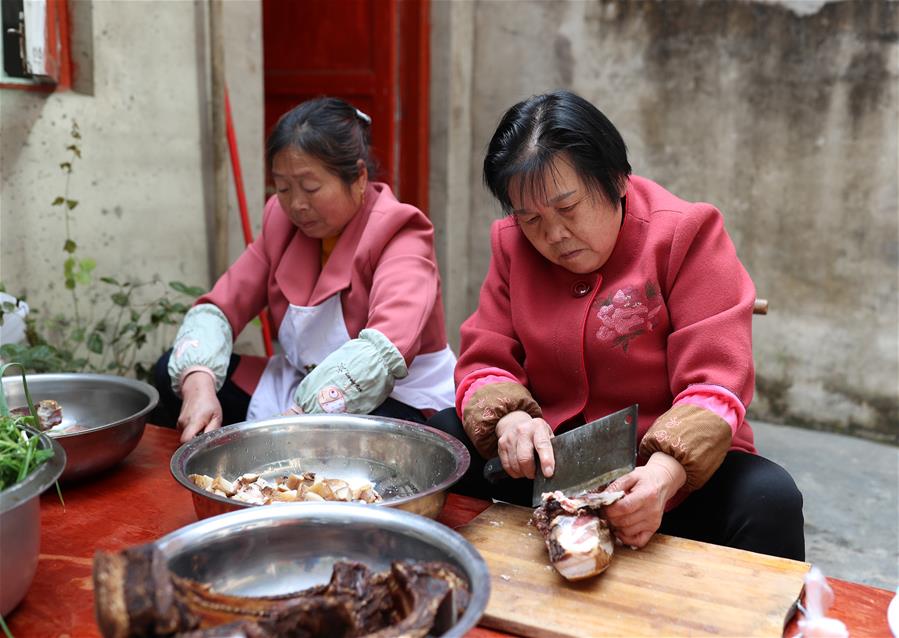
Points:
(308, 334)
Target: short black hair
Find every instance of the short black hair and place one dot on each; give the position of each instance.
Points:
(535, 131)
(330, 129)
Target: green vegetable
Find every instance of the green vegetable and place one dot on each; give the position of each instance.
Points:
(19, 452)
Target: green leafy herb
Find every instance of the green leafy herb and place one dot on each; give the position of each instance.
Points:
(19, 452)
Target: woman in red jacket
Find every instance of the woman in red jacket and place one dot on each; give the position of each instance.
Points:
(605, 290)
(350, 278)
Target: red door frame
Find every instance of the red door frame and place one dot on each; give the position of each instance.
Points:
(391, 82)
(415, 97)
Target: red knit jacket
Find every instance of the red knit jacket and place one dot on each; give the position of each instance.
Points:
(672, 307)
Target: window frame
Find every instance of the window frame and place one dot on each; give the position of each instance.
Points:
(58, 57)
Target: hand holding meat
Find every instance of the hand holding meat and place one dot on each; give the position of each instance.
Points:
(518, 437)
(201, 410)
(637, 516)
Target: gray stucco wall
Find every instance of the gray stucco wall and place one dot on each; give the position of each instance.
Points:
(784, 115)
(142, 182)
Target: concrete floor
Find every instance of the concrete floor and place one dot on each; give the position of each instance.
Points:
(850, 489)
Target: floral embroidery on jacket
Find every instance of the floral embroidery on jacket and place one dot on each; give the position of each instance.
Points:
(629, 313)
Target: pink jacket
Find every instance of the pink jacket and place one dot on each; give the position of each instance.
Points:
(670, 310)
(383, 266)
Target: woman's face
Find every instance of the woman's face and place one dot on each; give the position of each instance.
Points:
(317, 201)
(574, 227)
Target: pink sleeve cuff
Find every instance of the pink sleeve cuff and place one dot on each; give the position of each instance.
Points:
(478, 379)
(717, 399)
(189, 371)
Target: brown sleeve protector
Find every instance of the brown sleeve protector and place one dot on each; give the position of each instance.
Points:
(488, 405)
(697, 438)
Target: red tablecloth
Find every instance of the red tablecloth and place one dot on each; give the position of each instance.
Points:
(139, 501)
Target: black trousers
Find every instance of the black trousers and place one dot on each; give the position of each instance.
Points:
(235, 401)
(749, 503)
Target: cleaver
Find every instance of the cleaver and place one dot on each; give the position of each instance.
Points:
(589, 457)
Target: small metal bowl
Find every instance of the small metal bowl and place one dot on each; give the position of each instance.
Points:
(280, 549)
(108, 412)
(410, 465)
(20, 525)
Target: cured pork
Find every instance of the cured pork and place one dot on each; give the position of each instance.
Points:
(49, 413)
(136, 595)
(576, 533)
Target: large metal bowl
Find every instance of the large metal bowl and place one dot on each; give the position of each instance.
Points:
(279, 549)
(108, 412)
(20, 526)
(410, 465)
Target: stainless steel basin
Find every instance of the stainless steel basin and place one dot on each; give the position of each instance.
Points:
(410, 465)
(103, 415)
(280, 549)
(20, 526)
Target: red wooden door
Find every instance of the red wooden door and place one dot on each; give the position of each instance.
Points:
(372, 53)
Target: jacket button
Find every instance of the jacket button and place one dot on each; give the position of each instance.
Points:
(580, 288)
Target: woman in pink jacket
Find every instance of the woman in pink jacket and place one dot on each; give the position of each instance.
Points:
(605, 290)
(350, 279)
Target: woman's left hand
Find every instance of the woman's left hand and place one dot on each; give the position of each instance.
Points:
(637, 516)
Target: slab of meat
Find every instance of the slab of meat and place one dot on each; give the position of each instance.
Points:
(577, 535)
(136, 595)
(49, 413)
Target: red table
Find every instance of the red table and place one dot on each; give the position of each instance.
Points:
(139, 501)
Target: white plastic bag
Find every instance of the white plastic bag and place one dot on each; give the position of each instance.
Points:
(12, 329)
(818, 599)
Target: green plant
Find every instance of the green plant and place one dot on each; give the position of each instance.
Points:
(19, 453)
(108, 320)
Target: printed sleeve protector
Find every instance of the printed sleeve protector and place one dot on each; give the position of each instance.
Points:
(203, 344)
(356, 378)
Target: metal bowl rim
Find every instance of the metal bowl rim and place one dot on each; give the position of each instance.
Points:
(208, 439)
(392, 519)
(134, 384)
(39, 480)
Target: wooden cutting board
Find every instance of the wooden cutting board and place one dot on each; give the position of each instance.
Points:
(671, 587)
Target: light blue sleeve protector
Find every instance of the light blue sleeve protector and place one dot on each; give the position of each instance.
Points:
(204, 341)
(355, 378)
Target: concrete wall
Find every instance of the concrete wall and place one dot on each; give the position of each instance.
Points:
(142, 104)
(783, 114)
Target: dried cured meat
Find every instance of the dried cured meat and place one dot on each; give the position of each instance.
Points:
(577, 535)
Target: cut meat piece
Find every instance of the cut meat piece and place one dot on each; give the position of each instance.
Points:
(136, 595)
(576, 533)
(252, 488)
(49, 413)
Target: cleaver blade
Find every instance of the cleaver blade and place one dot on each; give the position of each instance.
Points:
(591, 456)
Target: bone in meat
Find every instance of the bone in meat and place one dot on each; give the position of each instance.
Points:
(136, 595)
(576, 534)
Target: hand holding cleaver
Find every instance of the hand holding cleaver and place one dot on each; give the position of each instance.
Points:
(589, 457)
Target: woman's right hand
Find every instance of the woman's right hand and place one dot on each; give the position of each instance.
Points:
(200, 408)
(518, 434)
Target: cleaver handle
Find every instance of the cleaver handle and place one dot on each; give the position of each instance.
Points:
(493, 470)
